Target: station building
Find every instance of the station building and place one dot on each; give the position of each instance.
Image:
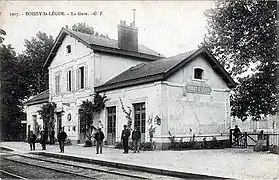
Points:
(182, 95)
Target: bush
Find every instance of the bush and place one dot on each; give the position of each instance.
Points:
(274, 149)
(260, 146)
(193, 144)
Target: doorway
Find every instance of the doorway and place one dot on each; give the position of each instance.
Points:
(59, 121)
(140, 118)
(111, 125)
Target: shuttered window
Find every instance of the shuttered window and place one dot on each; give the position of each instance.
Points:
(69, 80)
(82, 77)
(57, 84)
(81, 69)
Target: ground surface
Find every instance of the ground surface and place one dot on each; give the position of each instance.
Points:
(231, 163)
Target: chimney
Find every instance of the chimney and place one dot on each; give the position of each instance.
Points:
(127, 36)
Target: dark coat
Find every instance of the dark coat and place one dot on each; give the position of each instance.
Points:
(236, 131)
(32, 138)
(43, 139)
(125, 134)
(99, 136)
(136, 135)
(61, 136)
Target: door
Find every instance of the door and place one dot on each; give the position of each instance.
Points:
(140, 119)
(111, 125)
(59, 121)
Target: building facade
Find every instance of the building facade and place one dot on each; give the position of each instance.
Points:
(182, 95)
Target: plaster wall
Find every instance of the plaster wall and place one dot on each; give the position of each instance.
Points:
(150, 94)
(31, 112)
(187, 113)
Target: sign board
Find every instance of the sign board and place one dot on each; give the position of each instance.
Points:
(198, 89)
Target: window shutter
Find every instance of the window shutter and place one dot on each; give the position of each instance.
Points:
(85, 77)
(59, 86)
(73, 80)
(78, 78)
(68, 81)
(55, 84)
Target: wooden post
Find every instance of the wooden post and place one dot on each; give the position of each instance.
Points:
(245, 139)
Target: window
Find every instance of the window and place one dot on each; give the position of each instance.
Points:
(81, 77)
(111, 119)
(69, 81)
(57, 84)
(198, 73)
(139, 110)
(68, 49)
(34, 117)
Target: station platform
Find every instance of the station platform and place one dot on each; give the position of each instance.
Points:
(226, 163)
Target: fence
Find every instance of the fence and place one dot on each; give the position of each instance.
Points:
(221, 136)
(250, 139)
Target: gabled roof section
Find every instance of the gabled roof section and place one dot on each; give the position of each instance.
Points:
(162, 69)
(38, 99)
(101, 44)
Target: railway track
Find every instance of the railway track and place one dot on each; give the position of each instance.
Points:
(78, 170)
(8, 175)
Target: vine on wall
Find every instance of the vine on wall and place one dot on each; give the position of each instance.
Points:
(127, 112)
(88, 110)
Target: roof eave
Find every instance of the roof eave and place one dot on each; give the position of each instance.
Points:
(98, 48)
(131, 82)
(36, 102)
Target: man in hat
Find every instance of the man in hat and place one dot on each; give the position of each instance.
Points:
(99, 137)
(136, 136)
(61, 139)
(125, 138)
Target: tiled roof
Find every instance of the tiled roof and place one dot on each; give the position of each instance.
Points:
(149, 69)
(112, 43)
(161, 69)
(103, 45)
(40, 98)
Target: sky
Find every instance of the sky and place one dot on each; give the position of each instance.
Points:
(168, 27)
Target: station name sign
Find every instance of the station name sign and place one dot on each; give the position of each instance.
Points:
(198, 89)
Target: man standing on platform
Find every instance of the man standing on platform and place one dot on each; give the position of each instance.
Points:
(61, 139)
(99, 137)
(32, 140)
(136, 137)
(125, 138)
(43, 140)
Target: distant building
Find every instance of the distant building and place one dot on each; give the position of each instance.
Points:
(183, 94)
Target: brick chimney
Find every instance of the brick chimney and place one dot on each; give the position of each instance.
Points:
(127, 36)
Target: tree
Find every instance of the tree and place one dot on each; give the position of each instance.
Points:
(32, 59)
(12, 90)
(2, 32)
(47, 114)
(250, 101)
(85, 28)
(88, 112)
(242, 34)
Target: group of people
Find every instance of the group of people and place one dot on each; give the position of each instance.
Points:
(61, 137)
(98, 136)
(136, 137)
